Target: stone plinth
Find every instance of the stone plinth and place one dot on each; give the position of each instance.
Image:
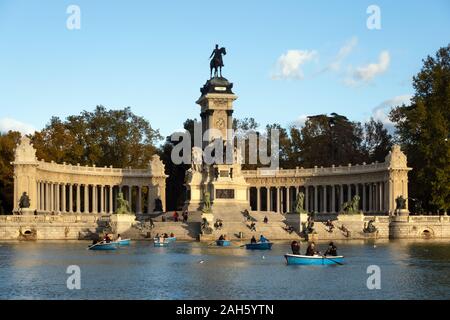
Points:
(123, 222)
(350, 217)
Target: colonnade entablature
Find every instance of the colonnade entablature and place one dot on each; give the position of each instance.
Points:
(65, 188)
(326, 189)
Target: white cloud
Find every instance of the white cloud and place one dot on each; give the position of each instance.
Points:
(8, 124)
(300, 121)
(289, 64)
(381, 112)
(344, 51)
(367, 73)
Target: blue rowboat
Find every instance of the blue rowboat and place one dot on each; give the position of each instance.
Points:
(103, 246)
(125, 242)
(172, 239)
(259, 246)
(313, 260)
(223, 243)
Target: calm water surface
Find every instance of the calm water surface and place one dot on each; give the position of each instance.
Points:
(409, 270)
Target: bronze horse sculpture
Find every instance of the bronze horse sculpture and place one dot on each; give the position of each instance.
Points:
(217, 62)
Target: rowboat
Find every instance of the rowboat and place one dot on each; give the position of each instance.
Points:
(293, 259)
(125, 242)
(259, 246)
(159, 244)
(103, 246)
(223, 243)
(168, 240)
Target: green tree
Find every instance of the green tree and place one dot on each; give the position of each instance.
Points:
(8, 143)
(423, 128)
(376, 142)
(102, 137)
(327, 140)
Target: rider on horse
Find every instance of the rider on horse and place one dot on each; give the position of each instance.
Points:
(217, 61)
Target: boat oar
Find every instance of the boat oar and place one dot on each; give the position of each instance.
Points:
(337, 262)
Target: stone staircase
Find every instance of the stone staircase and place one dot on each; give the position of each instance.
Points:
(236, 225)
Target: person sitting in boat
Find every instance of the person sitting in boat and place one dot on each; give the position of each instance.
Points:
(221, 238)
(295, 246)
(263, 239)
(332, 250)
(119, 238)
(107, 239)
(266, 220)
(172, 235)
(311, 250)
(166, 236)
(253, 241)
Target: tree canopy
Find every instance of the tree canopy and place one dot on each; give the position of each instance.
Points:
(423, 129)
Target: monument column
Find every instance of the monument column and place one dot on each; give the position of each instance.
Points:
(111, 204)
(52, 197)
(278, 200)
(102, 199)
(316, 199)
(364, 195)
(64, 197)
(333, 199)
(139, 200)
(94, 199)
(288, 199)
(325, 200)
(130, 196)
(70, 198)
(86, 199)
(78, 210)
(258, 199)
(306, 198)
(58, 198)
(268, 207)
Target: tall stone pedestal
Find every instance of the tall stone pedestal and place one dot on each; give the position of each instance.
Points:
(222, 180)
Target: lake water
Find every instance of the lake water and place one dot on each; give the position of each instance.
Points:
(409, 270)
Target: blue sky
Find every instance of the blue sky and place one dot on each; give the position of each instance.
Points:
(287, 59)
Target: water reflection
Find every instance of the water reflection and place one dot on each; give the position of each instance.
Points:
(410, 270)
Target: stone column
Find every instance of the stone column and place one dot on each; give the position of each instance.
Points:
(111, 202)
(370, 198)
(333, 199)
(288, 199)
(63, 199)
(258, 198)
(86, 199)
(130, 196)
(139, 200)
(58, 198)
(70, 198)
(102, 199)
(52, 197)
(38, 196)
(363, 196)
(316, 199)
(325, 209)
(269, 208)
(306, 198)
(278, 200)
(94, 199)
(78, 204)
(150, 205)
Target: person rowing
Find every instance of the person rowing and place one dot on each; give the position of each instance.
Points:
(332, 250)
(311, 250)
(263, 239)
(295, 246)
